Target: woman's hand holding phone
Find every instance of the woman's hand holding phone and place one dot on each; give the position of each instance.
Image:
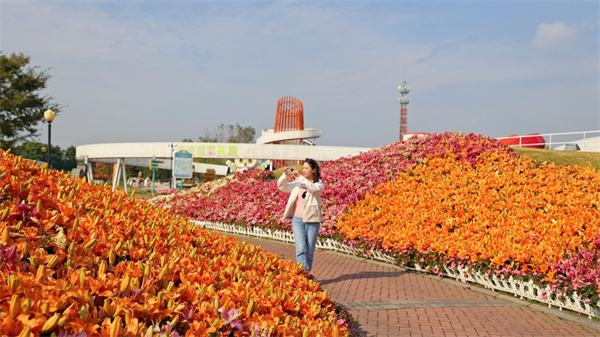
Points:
(290, 171)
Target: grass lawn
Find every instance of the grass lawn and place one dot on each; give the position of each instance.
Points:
(278, 172)
(562, 157)
(141, 193)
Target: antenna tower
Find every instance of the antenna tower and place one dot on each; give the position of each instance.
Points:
(404, 100)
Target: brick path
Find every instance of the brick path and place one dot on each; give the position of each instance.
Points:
(390, 301)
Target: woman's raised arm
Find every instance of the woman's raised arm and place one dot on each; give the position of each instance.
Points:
(283, 185)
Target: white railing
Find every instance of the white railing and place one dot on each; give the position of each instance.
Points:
(581, 138)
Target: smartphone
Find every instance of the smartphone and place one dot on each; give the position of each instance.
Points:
(288, 171)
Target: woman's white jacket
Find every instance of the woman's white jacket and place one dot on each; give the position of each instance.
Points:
(312, 207)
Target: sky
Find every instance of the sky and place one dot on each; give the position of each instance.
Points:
(162, 71)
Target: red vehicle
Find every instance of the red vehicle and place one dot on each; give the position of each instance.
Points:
(532, 141)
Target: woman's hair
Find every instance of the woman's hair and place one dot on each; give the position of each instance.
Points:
(315, 166)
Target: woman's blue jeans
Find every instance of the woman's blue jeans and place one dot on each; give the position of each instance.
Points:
(305, 236)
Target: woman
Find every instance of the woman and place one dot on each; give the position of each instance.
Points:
(304, 208)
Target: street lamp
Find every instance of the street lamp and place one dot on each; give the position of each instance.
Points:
(49, 117)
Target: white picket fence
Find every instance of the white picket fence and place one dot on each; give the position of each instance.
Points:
(518, 288)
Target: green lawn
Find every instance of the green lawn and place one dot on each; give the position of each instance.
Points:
(139, 192)
(562, 157)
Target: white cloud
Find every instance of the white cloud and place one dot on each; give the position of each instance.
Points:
(554, 35)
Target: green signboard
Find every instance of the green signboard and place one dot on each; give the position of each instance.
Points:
(183, 165)
(154, 163)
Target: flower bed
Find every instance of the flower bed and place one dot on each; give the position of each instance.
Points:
(251, 199)
(506, 215)
(164, 199)
(349, 180)
(513, 284)
(579, 273)
(167, 191)
(79, 259)
(248, 199)
(472, 207)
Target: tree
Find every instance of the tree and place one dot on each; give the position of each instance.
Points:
(70, 160)
(61, 160)
(22, 104)
(225, 134)
(36, 151)
(229, 134)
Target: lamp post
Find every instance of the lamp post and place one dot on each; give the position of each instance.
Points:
(49, 117)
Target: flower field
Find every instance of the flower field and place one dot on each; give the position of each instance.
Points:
(246, 199)
(445, 200)
(164, 196)
(509, 215)
(79, 260)
(251, 199)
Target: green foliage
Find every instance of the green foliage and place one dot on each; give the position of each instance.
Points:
(229, 134)
(133, 171)
(22, 105)
(69, 158)
(63, 160)
(562, 157)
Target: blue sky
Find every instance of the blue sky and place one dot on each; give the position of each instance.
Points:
(167, 71)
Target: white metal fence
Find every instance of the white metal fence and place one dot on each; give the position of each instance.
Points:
(586, 140)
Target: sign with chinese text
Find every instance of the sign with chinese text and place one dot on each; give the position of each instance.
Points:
(183, 165)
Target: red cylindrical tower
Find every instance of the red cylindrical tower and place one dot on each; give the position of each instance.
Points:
(290, 114)
(289, 117)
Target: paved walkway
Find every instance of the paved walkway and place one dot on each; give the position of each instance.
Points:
(390, 301)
